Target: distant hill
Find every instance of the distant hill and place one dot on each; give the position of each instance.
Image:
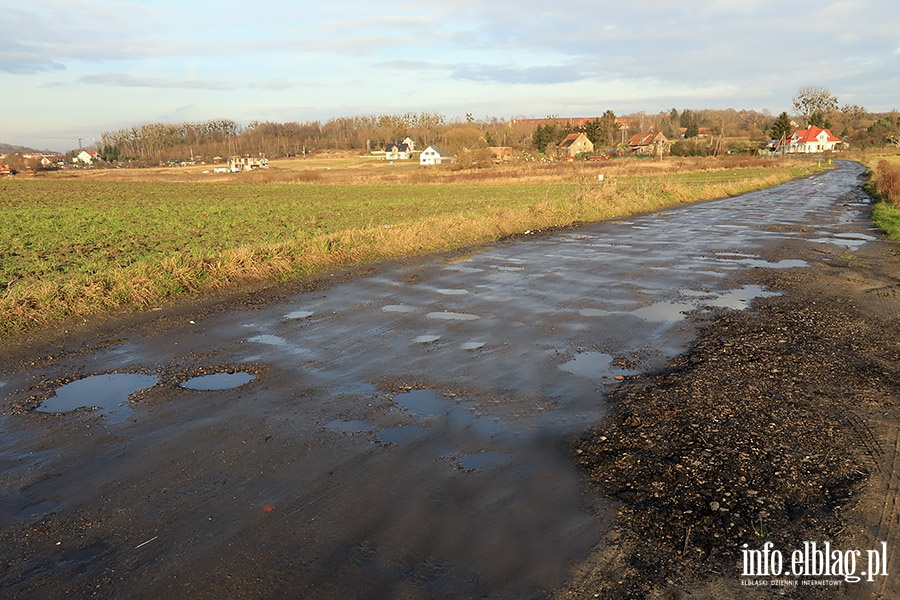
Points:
(11, 149)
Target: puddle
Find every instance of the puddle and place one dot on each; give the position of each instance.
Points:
(452, 292)
(593, 365)
(403, 434)
(109, 393)
(37, 510)
(351, 426)
(758, 262)
(471, 345)
(399, 308)
(740, 299)
(452, 316)
(484, 461)
(269, 340)
(423, 403)
(664, 312)
(594, 312)
(856, 236)
(298, 314)
(218, 381)
(360, 388)
(426, 339)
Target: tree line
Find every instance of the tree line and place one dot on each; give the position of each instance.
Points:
(693, 131)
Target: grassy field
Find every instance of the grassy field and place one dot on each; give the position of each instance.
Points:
(104, 240)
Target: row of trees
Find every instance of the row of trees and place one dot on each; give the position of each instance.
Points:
(154, 143)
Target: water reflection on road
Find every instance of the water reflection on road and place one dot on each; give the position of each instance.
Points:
(442, 387)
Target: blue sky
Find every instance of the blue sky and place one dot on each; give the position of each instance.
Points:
(81, 67)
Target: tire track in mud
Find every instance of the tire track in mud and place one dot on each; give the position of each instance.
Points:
(888, 522)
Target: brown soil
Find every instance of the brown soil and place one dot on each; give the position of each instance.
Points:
(779, 425)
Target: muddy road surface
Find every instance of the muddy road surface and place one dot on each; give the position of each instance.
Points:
(404, 433)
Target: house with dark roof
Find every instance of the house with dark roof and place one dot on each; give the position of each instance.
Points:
(650, 143)
(810, 140)
(398, 151)
(575, 144)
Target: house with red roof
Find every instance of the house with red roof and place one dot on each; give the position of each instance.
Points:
(650, 143)
(810, 140)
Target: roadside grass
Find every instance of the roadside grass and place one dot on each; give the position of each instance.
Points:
(82, 246)
(884, 186)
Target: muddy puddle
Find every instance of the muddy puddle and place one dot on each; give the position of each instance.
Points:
(107, 393)
(218, 381)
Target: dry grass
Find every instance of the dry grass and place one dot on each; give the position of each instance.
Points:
(887, 181)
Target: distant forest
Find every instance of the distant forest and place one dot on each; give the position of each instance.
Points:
(693, 131)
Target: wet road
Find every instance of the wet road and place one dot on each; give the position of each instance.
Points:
(394, 435)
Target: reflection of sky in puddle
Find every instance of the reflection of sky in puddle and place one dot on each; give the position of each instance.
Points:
(471, 345)
(108, 392)
(399, 308)
(403, 434)
(594, 365)
(594, 312)
(298, 314)
(426, 339)
(452, 291)
(740, 299)
(423, 403)
(269, 340)
(452, 316)
(350, 426)
(483, 461)
(359, 388)
(218, 381)
(664, 312)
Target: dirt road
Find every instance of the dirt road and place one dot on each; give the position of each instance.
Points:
(418, 430)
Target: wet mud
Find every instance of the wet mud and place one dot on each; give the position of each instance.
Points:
(404, 433)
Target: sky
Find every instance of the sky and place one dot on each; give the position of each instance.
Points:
(78, 68)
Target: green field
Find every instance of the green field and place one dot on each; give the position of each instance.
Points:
(75, 247)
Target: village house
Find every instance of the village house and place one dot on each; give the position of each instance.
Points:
(236, 164)
(810, 140)
(398, 151)
(432, 155)
(87, 157)
(650, 143)
(575, 144)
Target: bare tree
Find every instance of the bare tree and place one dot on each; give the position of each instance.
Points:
(813, 101)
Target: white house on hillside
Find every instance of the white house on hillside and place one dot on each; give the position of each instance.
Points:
(87, 156)
(432, 155)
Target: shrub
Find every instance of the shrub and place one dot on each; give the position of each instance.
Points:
(887, 181)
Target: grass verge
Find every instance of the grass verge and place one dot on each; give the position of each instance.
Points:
(77, 247)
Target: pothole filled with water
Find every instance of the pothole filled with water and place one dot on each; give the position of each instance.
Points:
(403, 434)
(108, 393)
(664, 312)
(740, 298)
(218, 381)
(594, 365)
(423, 403)
(484, 461)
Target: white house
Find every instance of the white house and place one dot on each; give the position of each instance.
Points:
(810, 140)
(398, 151)
(432, 155)
(86, 156)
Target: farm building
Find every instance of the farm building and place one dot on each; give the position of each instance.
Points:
(575, 144)
(650, 143)
(237, 164)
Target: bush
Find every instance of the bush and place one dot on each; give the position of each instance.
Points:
(887, 181)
